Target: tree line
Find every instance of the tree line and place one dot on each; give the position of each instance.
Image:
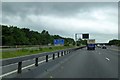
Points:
(12, 35)
(81, 42)
(114, 42)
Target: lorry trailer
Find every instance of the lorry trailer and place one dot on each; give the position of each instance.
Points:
(91, 44)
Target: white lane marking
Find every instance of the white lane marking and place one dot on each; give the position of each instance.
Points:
(107, 59)
(8, 65)
(51, 76)
(14, 63)
(23, 68)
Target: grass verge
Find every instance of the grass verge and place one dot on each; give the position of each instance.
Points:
(24, 52)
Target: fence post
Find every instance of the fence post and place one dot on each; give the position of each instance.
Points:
(53, 56)
(62, 53)
(67, 52)
(58, 54)
(46, 58)
(19, 67)
(36, 61)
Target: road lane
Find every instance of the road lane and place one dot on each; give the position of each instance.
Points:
(43, 67)
(101, 63)
(87, 64)
(12, 68)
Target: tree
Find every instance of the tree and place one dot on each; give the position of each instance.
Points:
(46, 38)
(12, 35)
(114, 42)
(81, 42)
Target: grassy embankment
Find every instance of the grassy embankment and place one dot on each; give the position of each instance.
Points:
(24, 52)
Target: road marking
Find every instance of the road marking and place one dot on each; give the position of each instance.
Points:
(99, 53)
(108, 59)
(23, 68)
(15, 63)
(51, 76)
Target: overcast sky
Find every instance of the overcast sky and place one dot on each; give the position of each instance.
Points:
(65, 18)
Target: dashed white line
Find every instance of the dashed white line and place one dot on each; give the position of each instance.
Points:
(107, 59)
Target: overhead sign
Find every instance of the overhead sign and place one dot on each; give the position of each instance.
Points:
(58, 41)
(85, 36)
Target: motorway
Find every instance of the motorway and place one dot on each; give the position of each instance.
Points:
(99, 63)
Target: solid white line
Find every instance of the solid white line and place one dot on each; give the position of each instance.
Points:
(14, 63)
(108, 59)
(24, 68)
(8, 73)
(9, 65)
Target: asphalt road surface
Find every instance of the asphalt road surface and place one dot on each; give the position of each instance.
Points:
(83, 63)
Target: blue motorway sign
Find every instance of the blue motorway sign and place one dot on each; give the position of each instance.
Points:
(58, 41)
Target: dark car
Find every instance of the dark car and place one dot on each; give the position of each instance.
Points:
(104, 47)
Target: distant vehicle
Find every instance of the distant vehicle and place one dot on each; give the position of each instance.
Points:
(99, 46)
(104, 47)
(91, 44)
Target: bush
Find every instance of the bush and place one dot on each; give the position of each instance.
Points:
(66, 45)
(40, 49)
(50, 48)
(31, 51)
(78, 44)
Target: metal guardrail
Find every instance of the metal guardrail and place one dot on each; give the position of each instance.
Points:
(36, 56)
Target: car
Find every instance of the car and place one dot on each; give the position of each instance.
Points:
(104, 47)
(98, 46)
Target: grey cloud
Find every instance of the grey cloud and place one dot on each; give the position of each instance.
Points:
(16, 13)
(61, 9)
(60, 1)
(51, 8)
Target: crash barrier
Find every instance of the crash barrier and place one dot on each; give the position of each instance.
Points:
(19, 60)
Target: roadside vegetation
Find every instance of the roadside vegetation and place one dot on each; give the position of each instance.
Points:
(14, 37)
(81, 42)
(114, 42)
(24, 52)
